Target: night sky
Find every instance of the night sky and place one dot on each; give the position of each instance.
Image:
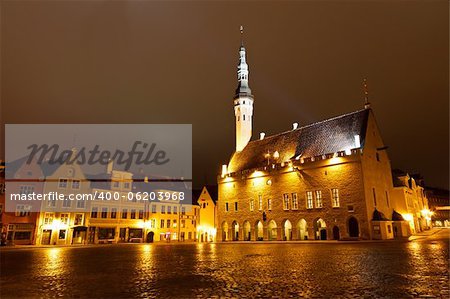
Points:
(154, 62)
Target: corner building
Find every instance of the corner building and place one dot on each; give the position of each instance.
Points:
(327, 180)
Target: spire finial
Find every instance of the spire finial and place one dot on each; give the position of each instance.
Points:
(366, 94)
(242, 35)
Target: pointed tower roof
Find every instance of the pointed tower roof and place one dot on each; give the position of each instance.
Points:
(243, 89)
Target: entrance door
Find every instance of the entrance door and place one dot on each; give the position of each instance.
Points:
(46, 237)
(150, 237)
(323, 234)
(353, 227)
(336, 234)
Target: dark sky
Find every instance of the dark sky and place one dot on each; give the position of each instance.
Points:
(175, 62)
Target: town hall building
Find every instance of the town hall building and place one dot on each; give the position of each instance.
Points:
(328, 180)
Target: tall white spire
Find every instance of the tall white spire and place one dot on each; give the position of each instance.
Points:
(243, 101)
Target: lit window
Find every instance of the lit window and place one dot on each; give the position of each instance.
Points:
(260, 202)
(113, 213)
(285, 201)
(335, 197)
(269, 204)
(78, 219)
(163, 209)
(48, 218)
(64, 218)
(162, 223)
(309, 199)
(318, 199)
(94, 212)
(141, 214)
(23, 210)
(294, 201)
(252, 205)
(104, 213)
(124, 214)
(133, 214)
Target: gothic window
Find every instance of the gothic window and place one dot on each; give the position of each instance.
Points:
(294, 201)
(309, 199)
(335, 197)
(286, 201)
(318, 199)
(260, 202)
(269, 204)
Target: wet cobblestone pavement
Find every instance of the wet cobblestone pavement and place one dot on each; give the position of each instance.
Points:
(416, 269)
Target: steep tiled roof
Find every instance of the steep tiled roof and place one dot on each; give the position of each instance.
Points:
(328, 136)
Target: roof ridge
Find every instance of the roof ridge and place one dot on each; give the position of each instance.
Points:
(312, 124)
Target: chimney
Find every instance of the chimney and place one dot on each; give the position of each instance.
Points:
(109, 168)
(261, 135)
(294, 126)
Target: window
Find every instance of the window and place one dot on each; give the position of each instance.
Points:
(174, 223)
(163, 209)
(113, 213)
(94, 212)
(374, 197)
(183, 210)
(116, 184)
(78, 219)
(350, 208)
(226, 207)
(387, 198)
(66, 203)
(269, 204)
(48, 218)
(124, 214)
(52, 203)
(62, 234)
(80, 204)
(285, 201)
(153, 208)
(335, 197)
(260, 203)
(26, 189)
(183, 223)
(235, 206)
(64, 218)
(152, 223)
(175, 210)
(168, 223)
(126, 185)
(162, 223)
(309, 199)
(104, 213)
(62, 183)
(169, 210)
(141, 214)
(318, 199)
(294, 201)
(252, 205)
(23, 210)
(133, 214)
(76, 184)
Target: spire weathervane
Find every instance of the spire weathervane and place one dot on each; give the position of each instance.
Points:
(242, 35)
(366, 94)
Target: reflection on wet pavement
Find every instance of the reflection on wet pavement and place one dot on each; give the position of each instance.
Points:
(388, 269)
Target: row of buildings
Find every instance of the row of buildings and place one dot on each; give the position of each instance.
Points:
(328, 180)
(117, 214)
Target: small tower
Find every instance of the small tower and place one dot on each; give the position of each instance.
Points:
(243, 102)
